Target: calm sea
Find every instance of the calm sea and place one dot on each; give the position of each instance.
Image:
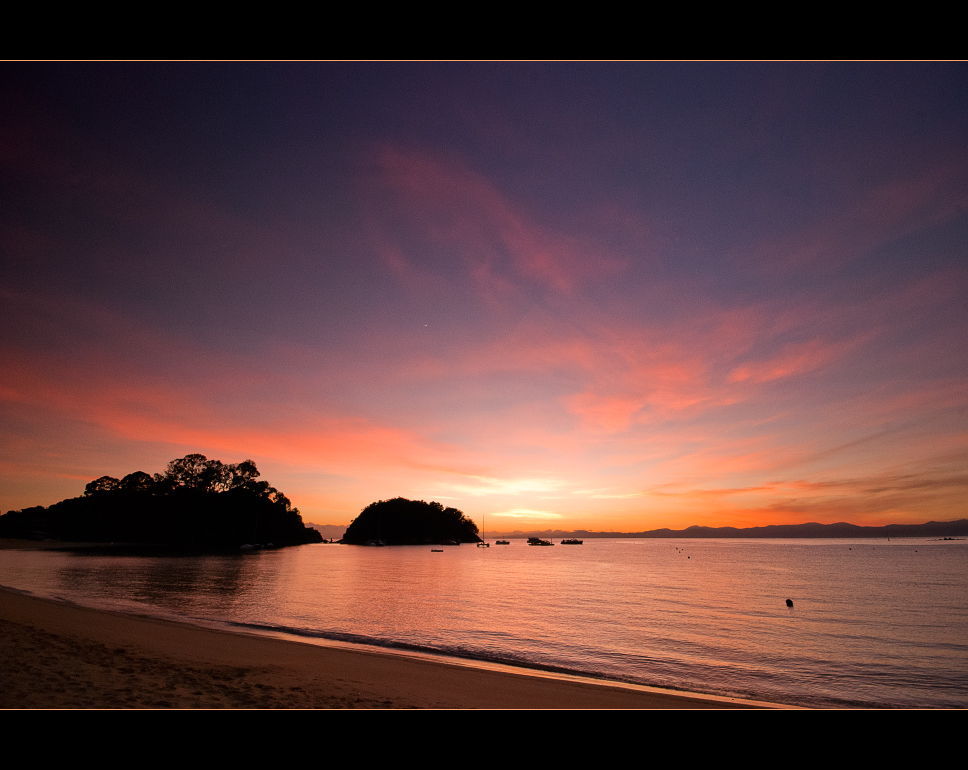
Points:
(873, 623)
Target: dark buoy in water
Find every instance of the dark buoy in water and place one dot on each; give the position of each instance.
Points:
(789, 602)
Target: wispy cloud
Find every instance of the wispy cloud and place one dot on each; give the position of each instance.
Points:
(499, 246)
(527, 514)
(679, 312)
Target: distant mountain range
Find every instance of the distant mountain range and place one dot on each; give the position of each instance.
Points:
(329, 531)
(957, 528)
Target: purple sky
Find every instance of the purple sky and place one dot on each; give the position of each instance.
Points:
(607, 296)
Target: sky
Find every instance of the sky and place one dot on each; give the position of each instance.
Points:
(611, 296)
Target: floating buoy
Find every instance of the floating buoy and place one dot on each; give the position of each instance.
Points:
(789, 602)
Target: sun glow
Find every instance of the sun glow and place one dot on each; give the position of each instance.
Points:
(444, 300)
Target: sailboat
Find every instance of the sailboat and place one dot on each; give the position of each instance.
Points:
(482, 543)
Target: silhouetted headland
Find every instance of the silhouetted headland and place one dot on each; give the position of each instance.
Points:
(410, 522)
(197, 503)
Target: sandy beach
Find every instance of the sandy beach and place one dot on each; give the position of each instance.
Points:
(57, 655)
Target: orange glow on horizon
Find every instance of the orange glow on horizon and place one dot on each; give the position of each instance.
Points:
(588, 313)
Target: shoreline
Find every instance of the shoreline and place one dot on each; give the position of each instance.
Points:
(59, 655)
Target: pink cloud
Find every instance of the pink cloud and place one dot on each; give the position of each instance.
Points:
(150, 409)
(497, 242)
(793, 360)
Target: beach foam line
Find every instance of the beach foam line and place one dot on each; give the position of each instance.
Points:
(60, 655)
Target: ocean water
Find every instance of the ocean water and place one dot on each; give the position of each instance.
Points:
(874, 623)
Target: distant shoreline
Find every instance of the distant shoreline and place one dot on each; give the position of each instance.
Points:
(958, 528)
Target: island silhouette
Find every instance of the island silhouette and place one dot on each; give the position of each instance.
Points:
(410, 522)
(196, 503)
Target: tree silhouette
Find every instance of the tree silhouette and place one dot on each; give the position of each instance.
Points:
(197, 503)
(410, 522)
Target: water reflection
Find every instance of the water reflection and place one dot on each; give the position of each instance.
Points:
(703, 615)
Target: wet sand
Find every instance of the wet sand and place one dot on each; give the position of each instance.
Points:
(58, 655)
